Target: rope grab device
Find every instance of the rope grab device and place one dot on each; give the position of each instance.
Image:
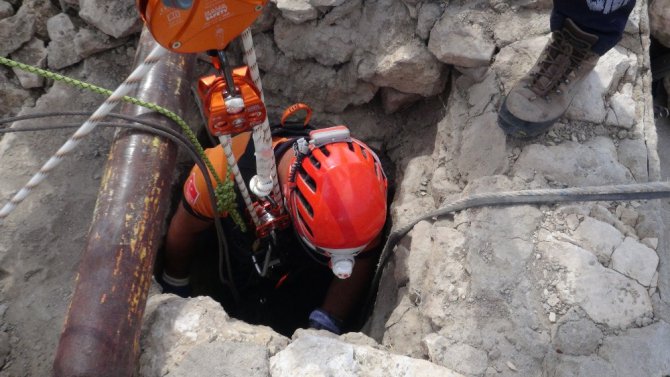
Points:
(232, 99)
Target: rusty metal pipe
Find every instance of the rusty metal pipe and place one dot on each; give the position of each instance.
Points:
(102, 328)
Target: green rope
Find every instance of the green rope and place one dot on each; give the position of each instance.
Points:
(225, 193)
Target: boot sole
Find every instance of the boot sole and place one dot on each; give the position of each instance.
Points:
(519, 128)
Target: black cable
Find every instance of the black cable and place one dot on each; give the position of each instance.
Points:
(159, 129)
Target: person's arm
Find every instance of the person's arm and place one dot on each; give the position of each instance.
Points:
(180, 242)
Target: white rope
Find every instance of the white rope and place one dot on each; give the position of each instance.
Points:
(265, 180)
(135, 78)
(227, 144)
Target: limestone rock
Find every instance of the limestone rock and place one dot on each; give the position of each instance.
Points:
(599, 237)
(60, 27)
(266, 21)
(635, 260)
(307, 40)
(406, 319)
(606, 296)
(511, 27)
(633, 155)
(314, 355)
(342, 12)
(118, 18)
(641, 352)
(394, 100)
(622, 108)
(580, 366)
(483, 150)
(297, 11)
(579, 338)
(224, 359)
(476, 74)
(458, 43)
(5, 347)
(183, 334)
(462, 358)
(659, 20)
(589, 102)
(429, 13)
(428, 75)
(597, 164)
(61, 50)
(6, 9)
(326, 3)
(15, 31)
(516, 59)
(33, 53)
(42, 10)
(91, 41)
(321, 87)
(13, 97)
(498, 249)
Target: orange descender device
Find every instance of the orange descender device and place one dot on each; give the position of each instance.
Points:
(226, 114)
(192, 26)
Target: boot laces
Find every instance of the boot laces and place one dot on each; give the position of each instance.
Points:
(564, 54)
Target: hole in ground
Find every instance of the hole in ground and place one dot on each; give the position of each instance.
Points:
(285, 307)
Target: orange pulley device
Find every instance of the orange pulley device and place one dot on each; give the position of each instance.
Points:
(226, 115)
(193, 26)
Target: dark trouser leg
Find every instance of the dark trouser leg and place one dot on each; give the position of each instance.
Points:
(604, 18)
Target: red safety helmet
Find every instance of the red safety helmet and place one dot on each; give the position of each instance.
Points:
(336, 196)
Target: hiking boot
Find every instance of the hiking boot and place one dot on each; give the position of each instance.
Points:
(541, 97)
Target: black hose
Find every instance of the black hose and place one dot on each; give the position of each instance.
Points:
(651, 190)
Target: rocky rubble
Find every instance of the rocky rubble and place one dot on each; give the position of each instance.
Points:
(553, 290)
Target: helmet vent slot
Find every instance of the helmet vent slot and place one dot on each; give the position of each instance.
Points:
(305, 203)
(324, 150)
(351, 146)
(304, 224)
(365, 153)
(314, 161)
(307, 179)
